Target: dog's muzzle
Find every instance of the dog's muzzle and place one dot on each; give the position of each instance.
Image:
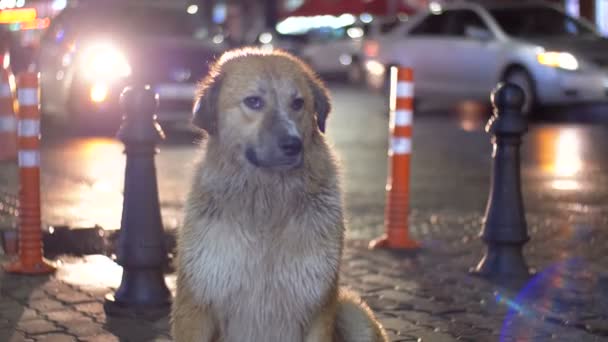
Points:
(285, 153)
(290, 145)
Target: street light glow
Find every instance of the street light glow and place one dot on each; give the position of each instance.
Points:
(192, 9)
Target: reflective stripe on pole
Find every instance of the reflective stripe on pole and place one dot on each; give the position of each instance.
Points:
(8, 119)
(28, 127)
(31, 259)
(400, 149)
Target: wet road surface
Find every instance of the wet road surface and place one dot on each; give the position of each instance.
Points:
(564, 166)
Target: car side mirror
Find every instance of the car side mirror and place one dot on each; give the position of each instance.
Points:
(478, 33)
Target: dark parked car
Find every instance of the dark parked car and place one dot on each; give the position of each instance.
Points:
(91, 51)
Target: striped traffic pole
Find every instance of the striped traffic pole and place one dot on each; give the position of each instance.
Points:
(31, 259)
(8, 120)
(399, 152)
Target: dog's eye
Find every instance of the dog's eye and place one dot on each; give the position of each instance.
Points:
(297, 104)
(254, 102)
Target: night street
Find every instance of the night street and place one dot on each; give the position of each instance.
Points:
(563, 166)
(430, 296)
(468, 200)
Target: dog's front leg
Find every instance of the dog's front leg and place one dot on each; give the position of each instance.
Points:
(191, 322)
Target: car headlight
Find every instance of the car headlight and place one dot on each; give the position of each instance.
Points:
(375, 68)
(105, 62)
(563, 60)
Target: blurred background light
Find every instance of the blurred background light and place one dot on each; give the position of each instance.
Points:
(366, 18)
(58, 5)
(192, 9)
(296, 25)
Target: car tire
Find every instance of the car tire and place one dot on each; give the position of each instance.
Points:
(521, 77)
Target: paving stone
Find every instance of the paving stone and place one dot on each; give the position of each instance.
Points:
(92, 308)
(56, 337)
(67, 316)
(72, 297)
(85, 328)
(14, 336)
(8, 303)
(378, 279)
(26, 292)
(415, 316)
(96, 292)
(394, 295)
(477, 320)
(37, 326)
(432, 336)
(106, 337)
(28, 314)
(55, 286)
(380, 304)
(12, 312)
(45, 304)
(403, 338)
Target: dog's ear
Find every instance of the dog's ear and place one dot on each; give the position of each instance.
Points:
(321, 98)
(204, 112)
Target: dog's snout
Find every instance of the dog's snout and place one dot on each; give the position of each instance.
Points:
(290, 145)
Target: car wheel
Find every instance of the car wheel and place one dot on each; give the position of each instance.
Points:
(522, 78)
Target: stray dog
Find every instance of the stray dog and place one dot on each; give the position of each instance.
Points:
(259, 254)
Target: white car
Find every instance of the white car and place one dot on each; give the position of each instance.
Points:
(338, 51)
(462, 50)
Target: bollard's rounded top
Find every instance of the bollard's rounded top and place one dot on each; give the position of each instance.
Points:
(507, 100)
(139, 101)
(139, 104)
(508, 96)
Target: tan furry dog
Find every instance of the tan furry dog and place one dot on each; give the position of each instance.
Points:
(259, 253)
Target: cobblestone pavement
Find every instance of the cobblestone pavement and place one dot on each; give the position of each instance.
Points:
(422, 296)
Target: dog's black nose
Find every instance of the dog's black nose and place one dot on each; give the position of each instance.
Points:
(291, 145)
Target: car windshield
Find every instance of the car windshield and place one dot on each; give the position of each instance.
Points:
(538, 21)
(140, 21)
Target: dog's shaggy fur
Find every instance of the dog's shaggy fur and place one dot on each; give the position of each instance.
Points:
(259, 253)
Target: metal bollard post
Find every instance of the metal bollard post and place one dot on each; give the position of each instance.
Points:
(141, 249)
(505, 231)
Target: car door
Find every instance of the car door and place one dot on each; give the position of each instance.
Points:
(328, 48)
(422, 48)
(473, 56)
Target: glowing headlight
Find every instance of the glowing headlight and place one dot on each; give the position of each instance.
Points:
(554, 59)
(375, 68)
(104, 62)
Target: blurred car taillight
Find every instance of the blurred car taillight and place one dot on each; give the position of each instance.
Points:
(370, 48)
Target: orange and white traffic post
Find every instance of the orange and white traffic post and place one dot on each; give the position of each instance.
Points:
(400, 147)
(8, 119)
(31, 260)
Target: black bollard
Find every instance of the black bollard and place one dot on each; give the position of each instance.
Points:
(504, 231)
(141, 250)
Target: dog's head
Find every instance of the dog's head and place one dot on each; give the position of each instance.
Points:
(264, 107)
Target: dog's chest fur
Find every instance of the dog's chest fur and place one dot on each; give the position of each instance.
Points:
(265, 276)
